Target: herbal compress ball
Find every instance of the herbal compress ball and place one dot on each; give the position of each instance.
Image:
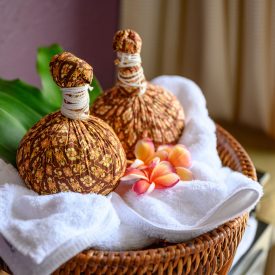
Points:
(70, 150)
(135, 108)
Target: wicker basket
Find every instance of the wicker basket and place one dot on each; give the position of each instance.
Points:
(210, 253)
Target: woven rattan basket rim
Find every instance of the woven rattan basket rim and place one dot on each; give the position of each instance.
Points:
(200, 243)
(228, 148)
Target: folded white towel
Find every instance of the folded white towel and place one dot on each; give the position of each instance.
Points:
(42, 232)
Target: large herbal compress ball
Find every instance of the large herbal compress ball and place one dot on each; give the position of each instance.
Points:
(79, 154)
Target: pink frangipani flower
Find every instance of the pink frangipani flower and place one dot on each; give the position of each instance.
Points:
(158, 175)
(177, 155)
(158, 169)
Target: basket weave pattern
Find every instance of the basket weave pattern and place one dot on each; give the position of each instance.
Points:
(210, 253)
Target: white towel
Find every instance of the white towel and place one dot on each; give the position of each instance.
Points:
(39, 233)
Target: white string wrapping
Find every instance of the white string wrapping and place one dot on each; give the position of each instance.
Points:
(76, 102)
(135, 79)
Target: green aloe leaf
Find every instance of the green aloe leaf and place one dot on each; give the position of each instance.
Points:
(12, 131)
(22, 105)
(97, 90)
(50, 91)
(19, 109)
(25, 93)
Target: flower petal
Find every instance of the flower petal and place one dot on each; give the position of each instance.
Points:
(144, 150)
(167, 148)
(184, 173)
(151, 188)
(137, 163)
(162, 155)
(141, 187)
(154, 163)
(179, 156)
(163, 168)
(165, 181)
(133, 174)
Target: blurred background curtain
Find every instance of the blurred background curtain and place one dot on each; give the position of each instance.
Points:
(226, 46)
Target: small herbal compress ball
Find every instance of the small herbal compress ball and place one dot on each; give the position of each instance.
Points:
(79, 153)
(135, 108)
